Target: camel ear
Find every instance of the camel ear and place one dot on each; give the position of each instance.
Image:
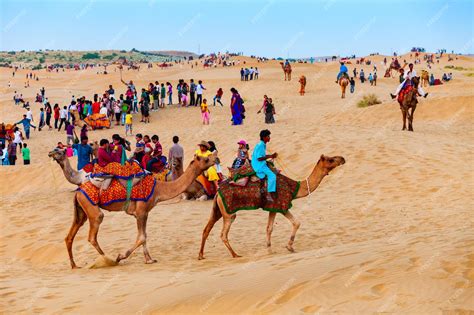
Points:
(322, 158)
(198, 158)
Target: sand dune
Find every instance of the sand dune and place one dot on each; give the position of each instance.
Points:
(390, 231)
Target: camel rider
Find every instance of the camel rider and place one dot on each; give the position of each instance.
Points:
(287, 63)
(203, 151)
(259, 163)
(342, 70)
(409, 75)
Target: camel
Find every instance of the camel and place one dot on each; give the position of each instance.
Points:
(286, 70)
(343, 83)
(425, 78)
(302, 82)
(408, 102)
(84, 209)
(72, 176)
(80, 177)
(322, 168)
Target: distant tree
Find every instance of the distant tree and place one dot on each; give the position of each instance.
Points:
(41, 60)
(11, 53)
(90, 56)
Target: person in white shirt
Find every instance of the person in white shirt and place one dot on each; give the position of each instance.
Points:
(199, 90)
(103, 110)
(62, 116)
(29, 114)
(410, 74)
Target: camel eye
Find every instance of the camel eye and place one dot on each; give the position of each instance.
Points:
(331, 160)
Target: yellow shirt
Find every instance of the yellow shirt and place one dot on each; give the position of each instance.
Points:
(203, 108)
(128, 119)
(211, 171)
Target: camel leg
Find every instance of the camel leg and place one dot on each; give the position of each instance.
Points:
(225, 234)
(79, 219)
(404, 117)
(271, 221)
(142, 216)
(410, 119)
(215, 216)
(296, 225)
(95, 219)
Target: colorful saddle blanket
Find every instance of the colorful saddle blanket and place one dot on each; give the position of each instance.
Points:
(129, 170)
(208, 187)
(97, 121)
(116, 192)
(252, 196)
(406, 89)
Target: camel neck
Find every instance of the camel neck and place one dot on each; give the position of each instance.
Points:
(69, 172)
(169, 190)
(312, 182)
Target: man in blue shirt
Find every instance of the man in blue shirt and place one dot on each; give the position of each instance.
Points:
(259, 163)
(84, 153)
(26, 125)
(342, 70)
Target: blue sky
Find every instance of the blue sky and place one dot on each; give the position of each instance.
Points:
(260, 27)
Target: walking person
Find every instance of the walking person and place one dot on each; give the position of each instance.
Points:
(175, 157)
(49, 111)
(41, 120)
(218, 97)
(352, 84)
(205, 113)
(163, 95)
(25, 152)
(62, 117)
(170, 93)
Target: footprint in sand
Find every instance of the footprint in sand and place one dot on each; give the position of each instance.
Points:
(291, 293)
(310, 309)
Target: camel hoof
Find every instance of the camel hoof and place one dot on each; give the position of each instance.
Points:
(236, 256)
(201, 257)
(153, 261)
(119, 258)
(290, 248)
(75, 267)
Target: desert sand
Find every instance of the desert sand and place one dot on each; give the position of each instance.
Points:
(391, 231)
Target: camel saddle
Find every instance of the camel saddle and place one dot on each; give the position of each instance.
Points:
(101, 176)
(407, 90)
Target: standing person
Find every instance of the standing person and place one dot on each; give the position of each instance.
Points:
(117, 110)
(199, 91)
(128, 123)
(11, 150)
(124, 111)
(56, 115)
(63, 117)
(362, 76)
(83, 131)
(375, 78)
(242, 74)
(49, 111)
(163, 95)
(352, 84)
(179, 89)
(371, 79)
(156, 96)
(269, 112)
(25, 152)
(84, 153)
(26, 125)
(175, 157)
(41, 120)
(192, 92)
(256, 73)
(236, 107)
(259, 163)
(96, 105)
(218, 97)
(70, 133)
(29, 114)
(205, 113)
(170, 93)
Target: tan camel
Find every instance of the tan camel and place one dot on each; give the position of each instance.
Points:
(72, 176)
(286, 70)
(343, 83)
(408, 102)
(425, 78)
(84, 210)
(302, 82)
(322, 168)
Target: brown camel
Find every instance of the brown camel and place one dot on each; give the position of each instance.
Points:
(322, 168)
(287, 70)
(343, 83)
(425, 78)
(302, 82)
(408, 102)
(72, 176)
(84, 210)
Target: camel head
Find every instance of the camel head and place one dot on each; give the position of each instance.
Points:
(415, 81)
(328, 163)
(59, 155)
(203, 163)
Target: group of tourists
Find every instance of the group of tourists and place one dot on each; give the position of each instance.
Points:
(248, 74)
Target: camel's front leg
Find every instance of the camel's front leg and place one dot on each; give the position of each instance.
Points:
(95, 219)
(142, 217)
(410, 119)
(271, 221)
(225, 233)
(296, 225)
(404, 117)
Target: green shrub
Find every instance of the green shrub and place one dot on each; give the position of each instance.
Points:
(41, 60)
(37, 67)
(90, 56)
(11, 52)
(368, 100)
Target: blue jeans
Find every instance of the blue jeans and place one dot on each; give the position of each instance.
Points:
(170, 99)
(352, 88)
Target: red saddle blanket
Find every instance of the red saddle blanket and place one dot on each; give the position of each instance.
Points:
(116, 192)
(252, 196)
(126, 171)
(406, 89)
